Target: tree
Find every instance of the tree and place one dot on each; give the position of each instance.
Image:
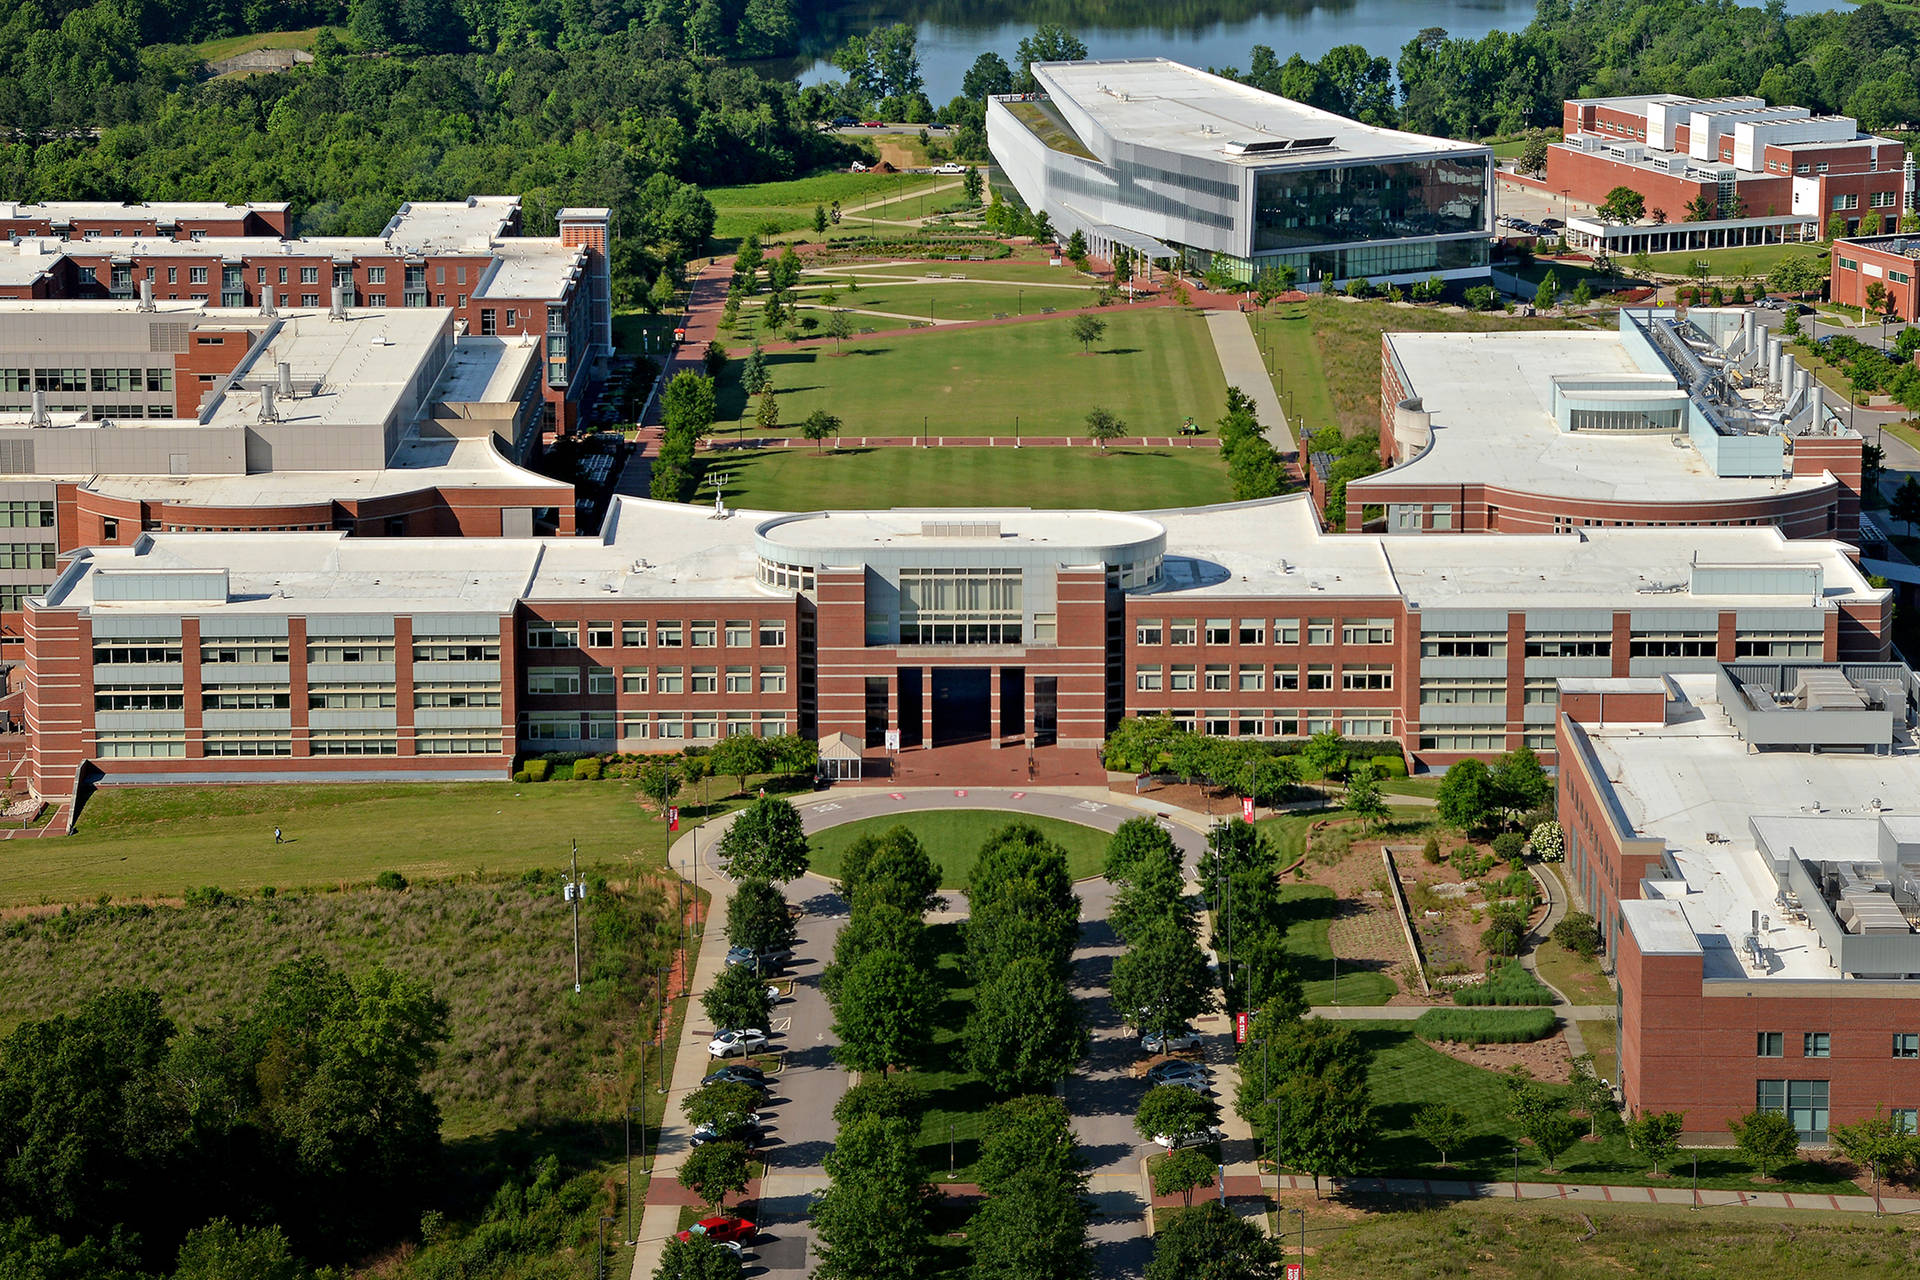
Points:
(1594, 1096)
(884, 1015)
(1030, 1134)
(1656, 1135)
(1876, 299)
(1796, 275)
(757, 917)
(766, 415)
(659, 781)
(1363, 798)
(1025, 1030)
(1583, 293)
(723, 1104)
(1548, 294)
(839, 328)
(1441, 1127)
(1578, 934)
(988, 77)
(1050, 42)
(661, 295)
(1837, 227)
(687, 404)
(738, 998)
(1210, 1242)
(1154, 899)
(753, 371)
(715, 1171)
(1623, 204)
(1519, 783)
(221, 1251)
(1766, 1138)
(971, 185)
(765, 839)
(699, 1257)
(1552, 1131)
(1179, 1172)
(1031, 1228)
(1533, 157)
(1506, 929)
(819, 219)
(1138, 840)
(1326, 754)
(1104, 424)
(1905, 505)
(871, 1222)
(714, 359)
(890, 1097)
(1466, 798)
(1878, 1143)
(1162, 982)
(1171, 1109)
(739, 756)
(819, 425)
(1086, 331)
(1699, 209)
(1322, 1120)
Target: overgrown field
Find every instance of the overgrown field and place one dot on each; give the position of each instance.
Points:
(524, 1049)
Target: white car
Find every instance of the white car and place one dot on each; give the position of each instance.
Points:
(1158, 1042)
(950, 168)
(1198, 1138)
(730, 1044)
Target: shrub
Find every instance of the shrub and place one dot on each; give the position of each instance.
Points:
(522, 776)
(210, 895)
(391, 881)
(537, 770)
(1431, 850)
(590, 770)
(1549, 844)
(1389, 766)
(1510, 984)
(1508, 846)
(1486, 1026)
(1578, 934)
(1503, 936)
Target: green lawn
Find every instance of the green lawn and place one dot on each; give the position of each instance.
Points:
(1152, 367)
(629, 326)
(788, 206)
(1580, 981)
(1312, 908)
(160, 841)
(1019, 269)
(947, 301)
(1747, 261)
(215, 50)
(957, 1099)
(952, 838)
(1407, 1074)
(1118, 479)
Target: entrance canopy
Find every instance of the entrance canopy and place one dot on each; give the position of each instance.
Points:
(840, 756)
(1138, 241)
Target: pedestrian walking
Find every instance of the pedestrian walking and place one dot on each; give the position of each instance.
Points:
(276, 836)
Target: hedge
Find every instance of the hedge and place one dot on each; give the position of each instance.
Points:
(1486, 1026)
(1510, 984)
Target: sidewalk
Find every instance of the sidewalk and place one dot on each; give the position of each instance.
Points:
(1443, 1189)
(1240, 361)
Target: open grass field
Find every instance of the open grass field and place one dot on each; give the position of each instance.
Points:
(1023, 267)
(215, 50)
(952, 838)
(1152, 367)
(773, 207)
(1732, 264)
(1500, 1240)
(1311, 908)
(143, 842)
(1407, 1074)
(1121, 479)
(1329, 349)
(1581, 981)
(946, 301)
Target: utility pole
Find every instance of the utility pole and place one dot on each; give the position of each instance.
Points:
(576, 891)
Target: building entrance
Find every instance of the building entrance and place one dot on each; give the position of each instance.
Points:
(962, 704)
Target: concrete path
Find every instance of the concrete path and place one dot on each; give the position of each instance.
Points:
(1443, 1189)
(1556, 896)
(1244, 368)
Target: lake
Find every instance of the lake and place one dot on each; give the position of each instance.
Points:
(952, 33)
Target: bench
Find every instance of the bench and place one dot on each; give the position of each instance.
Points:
(920, 324)
(1046, 311)
(1000, 315)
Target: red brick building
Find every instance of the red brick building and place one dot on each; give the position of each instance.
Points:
(1554, 432)
(902, 629)
(1747, 842)
(1889, 261)
(1737, 156)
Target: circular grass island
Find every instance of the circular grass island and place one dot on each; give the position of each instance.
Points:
(952, 838)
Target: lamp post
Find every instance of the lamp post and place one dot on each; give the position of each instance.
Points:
(627, 1120)
(1018, 305)
(1302, 1215)
(1516, 1171)
(601, 1262)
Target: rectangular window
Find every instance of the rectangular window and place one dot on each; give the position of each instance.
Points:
(1906, 1044)
(359, 649)
(1905, 1119)
(1250, 724)
(1147, 679)
(1374, 675)
(671, 679)
(1219, 677)
(140, 743)
(376, 275)
(457, 649)
(1779, 644)
(489, 326)
(600, 680)
(633, 635)
(1367, 631)
(600, 635)
(739, 635)
(137, 698)
(1771, 1044)
(455, 693)
(773, 679)
(739, 679)
(26, 515)
(703, 635)
(240, 698)
(1458, 690)
(226, 650)
(553, 680)
(1674, 644)
(1216, 724)
(704, 680)
(1286, 679)
(248, 742)
(1804, 1101)
(456, 742)
(1219, 631)
(633, 679)
(1181, 679)
(196, 275)
(1452, 741)
(1286, 631)
(666, 635)
(1576, 644)
(124, 651)
(1252, 679)
(1320, 676)
(353, 742)
(773, 633)
(1463, 644)
(1816, 1044)
(1541, 691)
(1319, 630)
(962, 606)
(553, 635)
(309, 275)
(1184, 631)
(1147, 631)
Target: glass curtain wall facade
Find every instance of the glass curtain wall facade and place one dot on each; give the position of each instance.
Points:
(1297, 209)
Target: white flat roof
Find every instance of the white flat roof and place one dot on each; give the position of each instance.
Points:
(857, 531)
(416, 464)
(363, 365)
(1694, 776)
(1161, 103)
(1490, 395)
(60, 210)
(448, 226)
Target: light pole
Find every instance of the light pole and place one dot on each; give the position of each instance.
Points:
(1018, 305)
(601, 1264)
(1302, 1215)
(628, 1123)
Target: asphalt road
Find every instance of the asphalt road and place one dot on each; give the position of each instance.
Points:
(1101, 1096)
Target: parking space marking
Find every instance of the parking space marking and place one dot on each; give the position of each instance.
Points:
(782, 1025)
(823, 808)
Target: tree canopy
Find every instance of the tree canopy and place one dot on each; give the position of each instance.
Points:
(765, 840)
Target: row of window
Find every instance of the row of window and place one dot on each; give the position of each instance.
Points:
(1220, 678)
(1819, 1044)
(604, 726)
(1284, 723)
(1183, 631)
(277, 649)
(604, 681)
(172, 744)
(737, 634)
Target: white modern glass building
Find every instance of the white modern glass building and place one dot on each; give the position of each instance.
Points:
(1179, 163)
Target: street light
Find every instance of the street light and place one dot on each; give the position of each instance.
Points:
(1018, 294)
(1302, 1215)
(627, 1124)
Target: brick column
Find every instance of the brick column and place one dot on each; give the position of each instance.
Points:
(403, 685)
(926, 708)
(297, 684)
(993, 707)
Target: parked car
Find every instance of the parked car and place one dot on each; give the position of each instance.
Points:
(770, 960)
(739, 1073)
(950, 168)
(872, 124)
(733, 1044)
(747, 1131)
(721, 1228)
(1198, 1138)
(1159, 1042)
(1169, 1072)
(844, 122)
